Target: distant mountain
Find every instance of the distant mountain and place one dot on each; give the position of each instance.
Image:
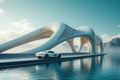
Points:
(115, 42)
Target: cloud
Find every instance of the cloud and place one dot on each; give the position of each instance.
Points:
(107, 38)
(23, 26)
(1, 1)
(117, 36)
(18, 29)
(2, 12)
(118, 26)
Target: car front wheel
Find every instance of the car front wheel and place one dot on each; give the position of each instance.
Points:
(59, 56)
(46, 56)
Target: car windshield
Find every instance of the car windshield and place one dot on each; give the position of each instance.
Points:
(50, 51)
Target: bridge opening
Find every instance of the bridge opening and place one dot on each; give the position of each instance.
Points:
(80, 44)
(62, 48)
(85, 48)
(77, 43)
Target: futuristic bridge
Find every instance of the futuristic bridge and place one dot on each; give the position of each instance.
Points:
(58, 33)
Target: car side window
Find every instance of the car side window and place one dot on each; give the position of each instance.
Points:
(50, 52)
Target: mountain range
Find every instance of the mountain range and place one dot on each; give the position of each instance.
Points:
(115, 42)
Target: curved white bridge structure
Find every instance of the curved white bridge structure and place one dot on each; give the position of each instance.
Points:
(58, 33)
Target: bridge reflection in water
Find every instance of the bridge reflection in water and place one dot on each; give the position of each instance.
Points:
(71, 70)
(94, 68)
(75, 69)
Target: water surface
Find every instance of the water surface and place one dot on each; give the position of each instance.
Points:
(96, 68)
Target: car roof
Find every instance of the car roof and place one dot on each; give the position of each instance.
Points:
(51, 51)
(47, 51)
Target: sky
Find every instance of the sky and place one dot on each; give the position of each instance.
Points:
(18, 17)
(102, 15)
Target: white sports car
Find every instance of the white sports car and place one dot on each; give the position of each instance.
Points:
(47, 54)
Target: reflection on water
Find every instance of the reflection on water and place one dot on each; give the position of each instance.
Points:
(96, 68)
(76, 69)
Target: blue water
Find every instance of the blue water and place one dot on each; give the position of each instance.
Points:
(98, 68)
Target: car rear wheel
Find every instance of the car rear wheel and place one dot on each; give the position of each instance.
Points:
(39, 57)
(59, 56)
(46, 56)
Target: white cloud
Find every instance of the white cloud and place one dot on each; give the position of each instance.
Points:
(2, 12)
(117, 36)
(18, 29)
(23, 26)
(107, 38)
(83, 27)
(118, 26)
(1, 1)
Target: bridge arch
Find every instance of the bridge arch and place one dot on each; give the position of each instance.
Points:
(82, 41)
(57, 33)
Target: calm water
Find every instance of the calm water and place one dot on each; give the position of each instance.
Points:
(99, 68)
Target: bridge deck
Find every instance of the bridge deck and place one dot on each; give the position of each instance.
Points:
(12, 62)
